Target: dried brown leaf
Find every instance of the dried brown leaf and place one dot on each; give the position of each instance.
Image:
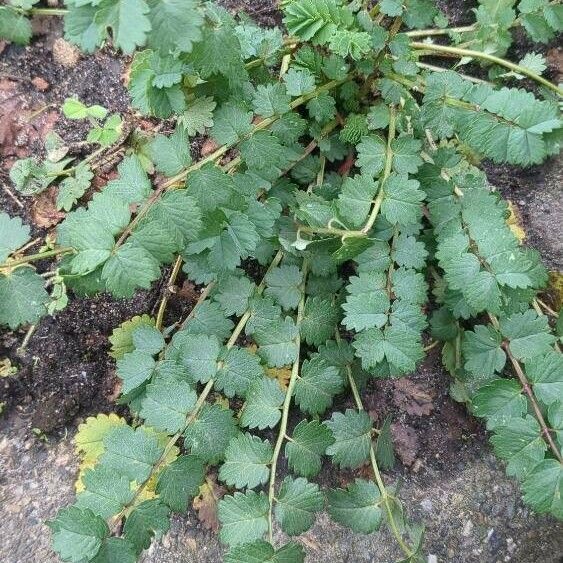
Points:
(412, 398)
(205, 504)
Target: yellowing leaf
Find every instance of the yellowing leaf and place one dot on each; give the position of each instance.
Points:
(514, 222)
(283, 375)
(122, 337)
(90, 435)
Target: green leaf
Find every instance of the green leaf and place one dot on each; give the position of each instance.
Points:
(13, 235)
(149, 518)
(520, 443)
(160, 102)
(108, 133)
(105, 493)
(409, 252)
(243, 517)
(355, 199)
(77, 534)
(23, 297)
(239, 370)
(402, 201)
(482, 351)
(262, 552)
(198, 116)
(133, 184)
(128, 22)
(199, 353)
(395, 343)
(233, 294)
(14, 27)
(246, 462)
(543, 488)
(309, 442)
(352, 438)
(316, 386)
(171, 154)
(371, 155)
(122, 337)
(270, 99)
(298, 82)
(357, 507)
(147, 338)
(384, 446)
(209, 434)
(276, 342)
(283, 284)
(320, 317)
(528, 333)
(263, 404)
(179, 482)
(131, 452)
(209, 319)
(175, 25)
(71, 189)
(367, 304)
(322, 108)
(116, 550)
(499, 401)
(297, 503)
(391, 8)
(546, 375)
(231, 124)
(167, 404)
(134, 368)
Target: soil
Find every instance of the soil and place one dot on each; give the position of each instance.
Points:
(451, 481)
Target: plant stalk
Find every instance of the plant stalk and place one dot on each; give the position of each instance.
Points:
(35, 257)
(386, 173)
(167, 291)
(385, 497)
(445, 50)
(286, 405)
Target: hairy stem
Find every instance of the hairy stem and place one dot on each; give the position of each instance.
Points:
(35, 257)
(440, 31)
(385, 496)
(445, 50)
(386, 172)
(286, 406)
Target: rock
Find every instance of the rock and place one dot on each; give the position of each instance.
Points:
(40, 83)
(65, 54)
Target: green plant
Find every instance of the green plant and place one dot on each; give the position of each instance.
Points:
(407, 208)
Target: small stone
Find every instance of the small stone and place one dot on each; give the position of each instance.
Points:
(426, 505)
(40, 83)
(467, 529)
(65, 54)
(432, 558)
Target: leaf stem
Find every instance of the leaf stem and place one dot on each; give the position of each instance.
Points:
(167, 292)
(386, 172)
(530, 394)
(286, 404)
(456, 51)
(36, 257)
(385, 496)
(47, 12)
(440, 31)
